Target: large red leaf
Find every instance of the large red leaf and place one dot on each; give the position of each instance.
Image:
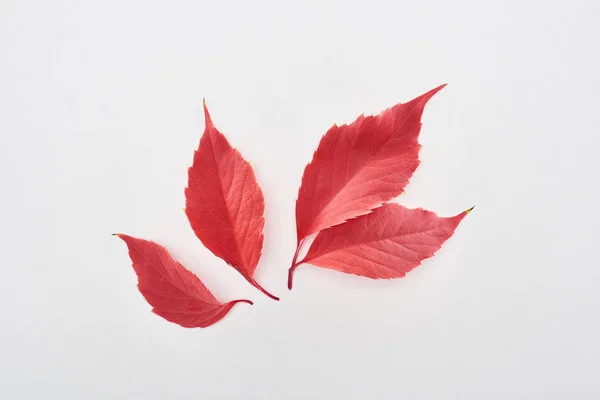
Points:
(225, 204)
(386, 243)
(359, 166)
(176, 294)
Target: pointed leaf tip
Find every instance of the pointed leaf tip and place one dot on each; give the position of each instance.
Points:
(469, 210)
(432, 92)
(207, 120)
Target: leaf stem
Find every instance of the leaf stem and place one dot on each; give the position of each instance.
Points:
(291, 274)
(256, 285)
(241, 301)
(294, 265)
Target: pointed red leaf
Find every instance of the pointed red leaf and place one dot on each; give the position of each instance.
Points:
(176, 294)
(359, 166)
(225, 204)
(386, 243)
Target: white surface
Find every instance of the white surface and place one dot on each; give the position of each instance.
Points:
(101, 111)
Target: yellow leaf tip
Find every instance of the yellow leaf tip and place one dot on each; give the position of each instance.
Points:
(469, 210)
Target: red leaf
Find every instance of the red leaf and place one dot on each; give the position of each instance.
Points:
(386, 243)
(225, 204)
(176, 294)
(358, 167)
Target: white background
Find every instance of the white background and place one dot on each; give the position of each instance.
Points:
(100, 106)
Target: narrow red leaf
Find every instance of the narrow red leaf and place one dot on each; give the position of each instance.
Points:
(225, 204)
(175, 293)
(359, 166)
(386, 243)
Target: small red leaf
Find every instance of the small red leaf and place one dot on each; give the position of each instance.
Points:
(386, 243)
(175, 293)
(225, 204)
(359, 166)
